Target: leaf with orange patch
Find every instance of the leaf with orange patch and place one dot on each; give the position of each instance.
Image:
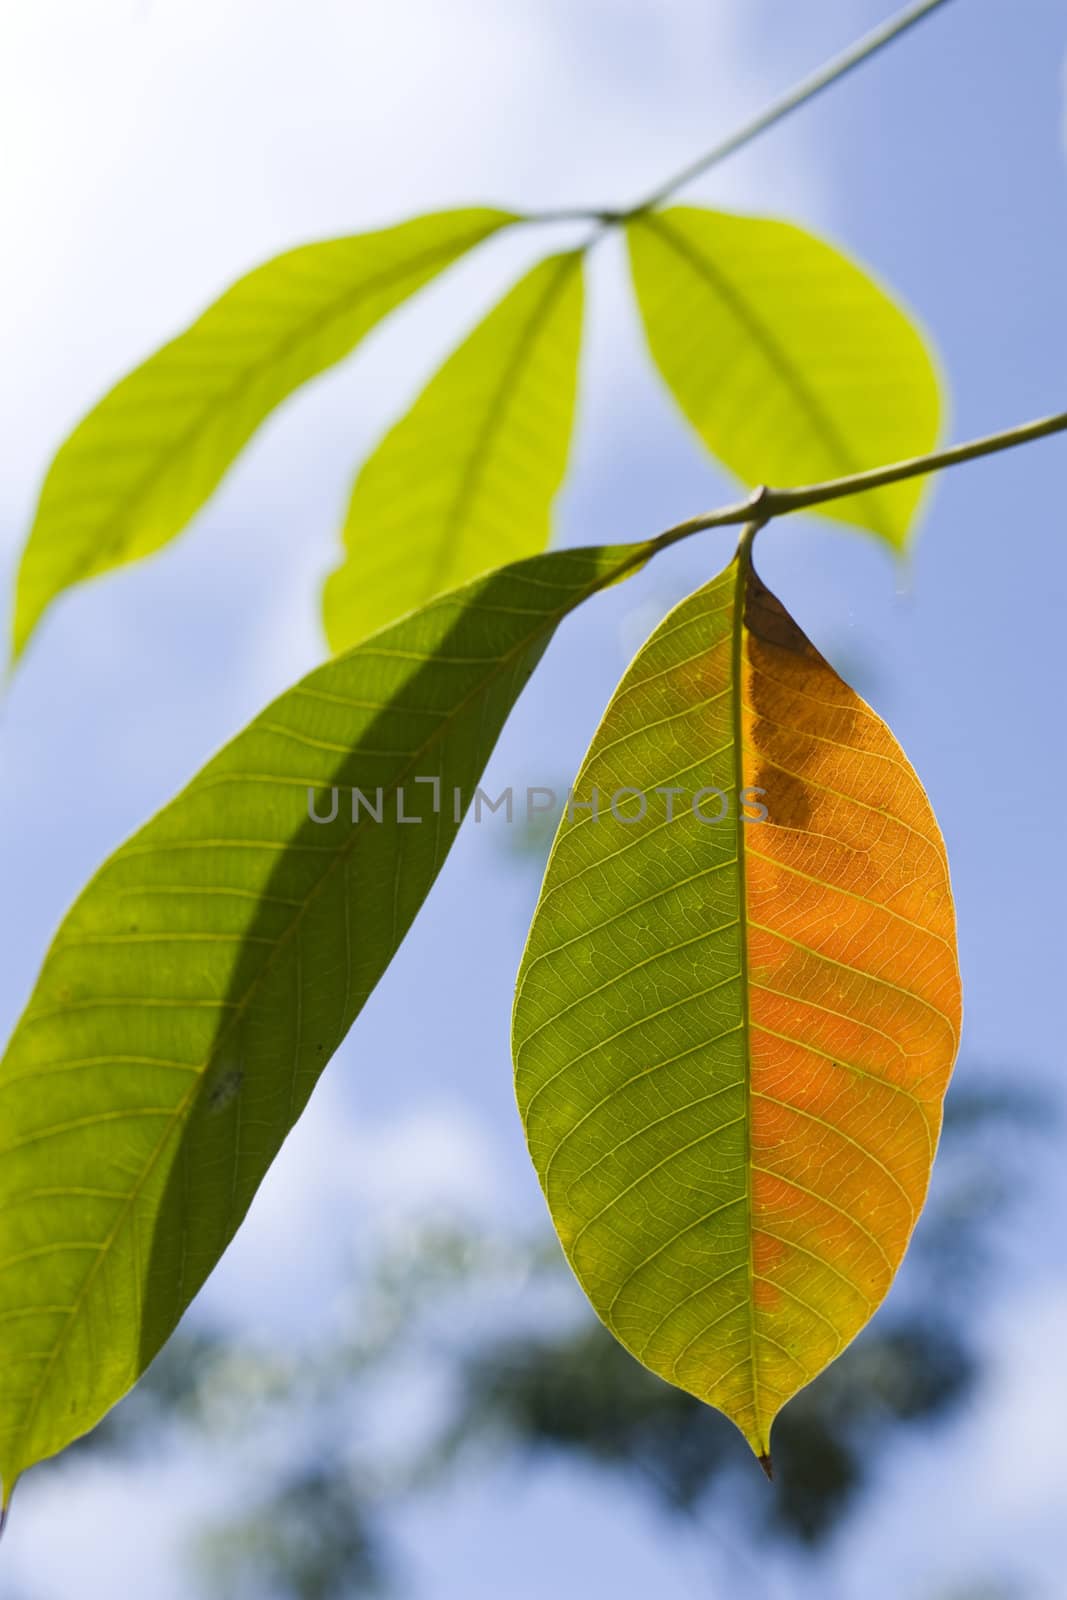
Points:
(733, 1034)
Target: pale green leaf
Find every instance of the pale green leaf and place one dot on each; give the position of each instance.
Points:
(145, 459)
(791, 362)
(201, 982)
(466, 479)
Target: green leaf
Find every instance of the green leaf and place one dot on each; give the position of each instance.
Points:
(791, 363)
(466, 479)
(201, 982)
(732, 1037)
(145, 459)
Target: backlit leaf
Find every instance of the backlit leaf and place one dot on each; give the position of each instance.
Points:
(466, 479)
(792, 364)
(145, 459)
(201, 982)
(732, 1038)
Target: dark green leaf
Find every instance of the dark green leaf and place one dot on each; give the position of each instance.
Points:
(201, 982)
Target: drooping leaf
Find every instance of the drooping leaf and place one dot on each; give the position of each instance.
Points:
(732, 1037)
(145, 459)
(466, 479)
(201, 982)
(791, 363)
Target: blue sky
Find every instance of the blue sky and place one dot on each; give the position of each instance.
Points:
(153, 153)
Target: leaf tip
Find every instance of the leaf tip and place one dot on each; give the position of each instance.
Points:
(767, 1465)
(5, 1505)
(24, 622)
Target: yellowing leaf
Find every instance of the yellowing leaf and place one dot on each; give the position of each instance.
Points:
(466, 479)
(732, 1037)
(791, 363)
(203, 979)
(147, 457)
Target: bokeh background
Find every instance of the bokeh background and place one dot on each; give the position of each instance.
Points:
(390, 1381)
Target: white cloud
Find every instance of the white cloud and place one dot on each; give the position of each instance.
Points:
(339, 1184)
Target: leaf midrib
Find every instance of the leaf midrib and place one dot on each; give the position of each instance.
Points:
(496, 416)
(736, 717)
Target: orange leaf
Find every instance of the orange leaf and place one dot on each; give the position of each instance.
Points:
(733, 1037)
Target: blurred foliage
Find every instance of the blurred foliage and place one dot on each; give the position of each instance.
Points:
(316, 1538)
(444, 1300)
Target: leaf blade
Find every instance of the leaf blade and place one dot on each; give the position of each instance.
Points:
(466, 479)
(793, 365)
(729, 1066)
(199, 984)
(151, 452)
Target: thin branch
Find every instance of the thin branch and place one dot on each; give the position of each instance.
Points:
(763, 504)
(804, 91)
